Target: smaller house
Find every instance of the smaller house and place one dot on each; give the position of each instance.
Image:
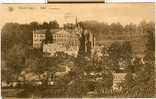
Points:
(118, 78)
(52, 48)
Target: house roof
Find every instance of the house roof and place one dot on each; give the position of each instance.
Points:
(41, 31)
(53, 31)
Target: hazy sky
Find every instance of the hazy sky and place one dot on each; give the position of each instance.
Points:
(123, 13)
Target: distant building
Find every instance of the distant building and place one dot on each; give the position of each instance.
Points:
(51, 48)
(38, 37)
(66, 38)
(118, 78)
(66, 41)
(63, 40)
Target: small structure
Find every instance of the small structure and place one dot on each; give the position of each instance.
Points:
(51, 48)
(118, 78)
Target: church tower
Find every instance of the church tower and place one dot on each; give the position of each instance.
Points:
(89, 37)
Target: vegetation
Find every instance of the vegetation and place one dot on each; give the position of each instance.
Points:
(88, 73)
(141, 83)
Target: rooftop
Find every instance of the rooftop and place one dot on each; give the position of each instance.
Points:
(60, 30)
(41, 31)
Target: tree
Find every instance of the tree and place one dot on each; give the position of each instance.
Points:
(53, 24)
(45, 25)
(69, 26)
(15, 61)
(49, 38)
(11, 34)
(114, 55)
(150, 36)
(81, 52)
(116, 28)
(78, 85)
(77, 88)
(15, 44)
(88, 45)
(130, 28)
(35, 25)
(147, 76)
(27, 32)
(126, 54)
(141, 83)
(120, 55)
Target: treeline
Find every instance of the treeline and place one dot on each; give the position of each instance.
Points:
(112, 31)
(17, 38)
(17, 46)
(17, 56)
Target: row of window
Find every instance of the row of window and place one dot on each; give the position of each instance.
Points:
(40, 35)
(69, 36)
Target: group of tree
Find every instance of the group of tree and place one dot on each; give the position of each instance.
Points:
(45, 25)
(141, 83)
(114, 30)
(83, 82)
(17, 46)
(17, 56)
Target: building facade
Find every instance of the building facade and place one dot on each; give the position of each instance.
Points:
(66, 38)
(38, 37)
(63, 41)
(117, 79)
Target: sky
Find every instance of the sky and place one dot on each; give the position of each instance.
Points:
(117, 12)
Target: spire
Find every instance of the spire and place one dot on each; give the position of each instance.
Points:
(76, 21)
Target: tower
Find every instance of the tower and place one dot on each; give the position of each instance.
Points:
(76, 21)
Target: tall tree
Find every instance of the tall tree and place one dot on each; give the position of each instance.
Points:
(81, 52)
(69, 26)
(49, 37)
(120, 55)
(114, 55)
(142, 85)
(15, 61)
(45, 25)
(53, 24)
(35, 25)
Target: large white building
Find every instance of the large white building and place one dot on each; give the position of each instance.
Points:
(51, 48)
(66, 38)
(63, 41)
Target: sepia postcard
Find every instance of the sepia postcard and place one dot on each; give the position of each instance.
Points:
(91, 50)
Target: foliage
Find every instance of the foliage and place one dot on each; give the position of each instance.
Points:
(69, 26)
(18, 56)
(48, 36)
(141, 83)
(120, 53)
(17, 46)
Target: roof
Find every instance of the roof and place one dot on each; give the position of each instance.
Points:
(41, 31)
(63, 32)
(53, 31)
